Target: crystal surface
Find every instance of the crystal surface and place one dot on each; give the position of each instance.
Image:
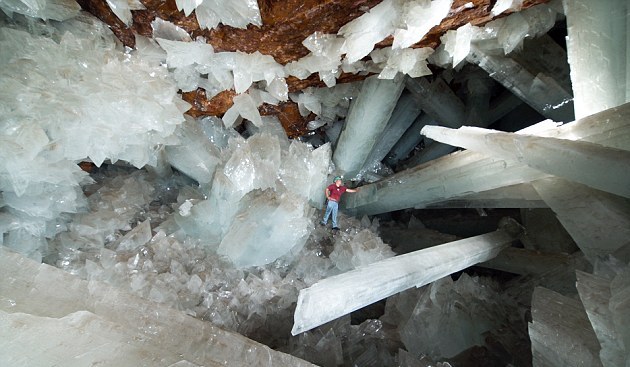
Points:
(339, 295)
(576, 161)
(560, 332)
(427, 185)
(595, 36)
(404, 114)
(366, 120)
(96, 318)
(598, 221)
(418, 17)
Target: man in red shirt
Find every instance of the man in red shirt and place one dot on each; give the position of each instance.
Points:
(333, 194)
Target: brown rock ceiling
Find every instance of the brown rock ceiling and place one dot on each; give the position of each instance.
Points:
(286, 23)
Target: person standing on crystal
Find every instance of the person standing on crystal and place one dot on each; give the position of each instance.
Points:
(333, 194)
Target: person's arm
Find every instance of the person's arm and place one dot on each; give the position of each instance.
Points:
(353, 190)
(327, 194)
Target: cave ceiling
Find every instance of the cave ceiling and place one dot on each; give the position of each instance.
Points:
(285, 24)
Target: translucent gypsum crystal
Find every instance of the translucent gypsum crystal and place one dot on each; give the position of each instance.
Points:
(599, 222)
(418, 17)
(339, 295)
(596, 296)
(265, 227)
(596, 33)
(404, 114)
(429, 184)
(362, 33)
(438, 100)
(560, 332)
(523, 261)
(59, 10)
(245, 107)
(122, 9)
(195, 155)
(43, 291)
(304, 171)
(450, 317)
(516, 196)
(238, 13)
(539, 90)
(505, 5)
(135, 238)
(368, 116)
(591, 164)
(409, 140)
(167, 30)
(407, 61)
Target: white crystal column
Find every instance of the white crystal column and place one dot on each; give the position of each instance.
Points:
(598, 222)
(523, 261)
(438, 100)
(597, 48)
(464, 173)
(516, 196)
(334, 297)
(560, 332)
(410, 139)
(607, 309)
(368, 116)
(592, 164)
(405, 113)
(539, 90)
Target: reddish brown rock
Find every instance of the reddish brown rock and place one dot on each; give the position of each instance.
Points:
(286, 23)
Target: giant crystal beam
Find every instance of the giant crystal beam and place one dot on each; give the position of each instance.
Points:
(606, 303)
(438, 100)
(336, 296)
(463, 173)
(560, 332)
(523, 261)
(516, 196)
(538, 89)
(597, 49)
(409, 140)
(405, 113)
(367, 117)
(598, 222)
(591, 164)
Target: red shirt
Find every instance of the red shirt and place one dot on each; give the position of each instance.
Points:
(336, 191)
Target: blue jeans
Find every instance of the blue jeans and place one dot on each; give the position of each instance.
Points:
(332, 207)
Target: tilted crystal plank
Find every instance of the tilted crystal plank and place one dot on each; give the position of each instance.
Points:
(597, 46)
(540, 91)
(598, 222)
(516, 196)
(463, 173)
(339, 295)
(592, 164)
(560, 332)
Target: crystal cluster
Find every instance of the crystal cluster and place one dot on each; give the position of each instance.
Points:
(509, 32)
(78, 98)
